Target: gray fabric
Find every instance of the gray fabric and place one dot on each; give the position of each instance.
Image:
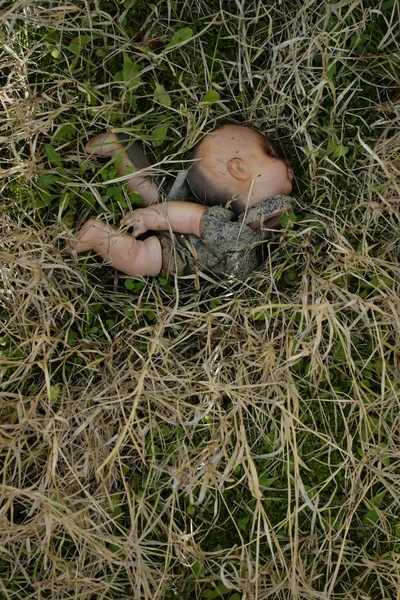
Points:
(266, 209)
(228, 246)
(234, 243)
(174, 258)
(180, 189)
(185, 255)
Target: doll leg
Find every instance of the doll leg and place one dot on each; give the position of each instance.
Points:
(129, 159)
(121, 251)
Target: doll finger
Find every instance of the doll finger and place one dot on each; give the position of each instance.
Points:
(128, 219)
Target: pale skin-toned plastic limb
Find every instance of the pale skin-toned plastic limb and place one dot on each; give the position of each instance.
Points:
(129, 158)
(180, 217)
(138, 257)
(121, 251)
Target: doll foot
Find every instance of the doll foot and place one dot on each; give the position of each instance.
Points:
(86, 238)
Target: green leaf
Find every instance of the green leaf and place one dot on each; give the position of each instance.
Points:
(66, 132)
(55, 53)
(379, 498)
(378, 365)
(331, 72)
(114, 548)
(135, 198)
(134, 286)
(45, 199)
(222, 588)
(370, 517)
(88, 198)
(291, 275)
(309, 220)
(267, 481)
(161, 96)
(130, 284)
(243, 524)
(196, 569)
(215, 593)
(48, 180)
(210, 97)
(53, 156)
(130, 72)
(257, 315)
(287, 218)
(115, 193)
(182, 35)
(159, 134)
(332, 145)
(339, 151)
(75, 48)
(65, 199)
(165, 284)
(77, 44)
(387, 5)
(358, 41)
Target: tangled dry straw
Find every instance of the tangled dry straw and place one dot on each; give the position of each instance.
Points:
(207, 437)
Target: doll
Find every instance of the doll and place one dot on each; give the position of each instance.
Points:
(240, 186)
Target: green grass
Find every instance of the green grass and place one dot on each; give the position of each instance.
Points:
(218, 439)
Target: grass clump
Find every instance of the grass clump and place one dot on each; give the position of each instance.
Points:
(227, 439)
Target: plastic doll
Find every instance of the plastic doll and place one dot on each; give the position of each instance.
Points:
(240, 186)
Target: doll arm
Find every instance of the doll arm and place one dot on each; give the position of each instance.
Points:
(180, 217)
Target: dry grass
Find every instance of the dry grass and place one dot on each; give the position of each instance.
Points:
(176, 440)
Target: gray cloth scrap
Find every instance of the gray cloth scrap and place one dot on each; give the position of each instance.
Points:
(228, 246)
(180, 189)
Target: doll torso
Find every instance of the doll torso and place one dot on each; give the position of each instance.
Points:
(227, 246)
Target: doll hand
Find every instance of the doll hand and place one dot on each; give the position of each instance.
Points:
(135, 219)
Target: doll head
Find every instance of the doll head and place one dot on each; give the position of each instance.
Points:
(239, 164)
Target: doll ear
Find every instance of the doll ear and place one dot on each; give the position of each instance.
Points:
(238, 170)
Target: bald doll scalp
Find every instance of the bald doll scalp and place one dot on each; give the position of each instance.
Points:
(199, 178)
(200, 184)
(223, 171)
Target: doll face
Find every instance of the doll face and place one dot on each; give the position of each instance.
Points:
(272, 174)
